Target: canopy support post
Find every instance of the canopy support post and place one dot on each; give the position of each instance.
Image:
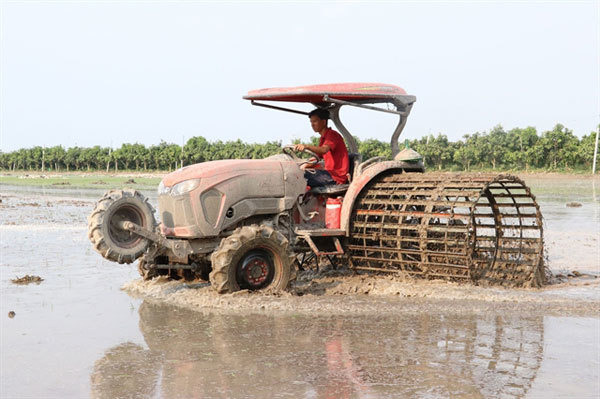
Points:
(334, 114)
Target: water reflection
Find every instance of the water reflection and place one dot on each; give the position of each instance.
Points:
(192, 355)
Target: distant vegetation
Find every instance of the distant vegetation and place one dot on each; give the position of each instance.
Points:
(517, 149)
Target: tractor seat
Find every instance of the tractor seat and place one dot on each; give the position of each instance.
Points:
(333, 189)
(339, 189)
(353, 160)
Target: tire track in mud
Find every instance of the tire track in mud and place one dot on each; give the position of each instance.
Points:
(334, 293)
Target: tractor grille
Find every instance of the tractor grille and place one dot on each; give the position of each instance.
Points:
(176, 211)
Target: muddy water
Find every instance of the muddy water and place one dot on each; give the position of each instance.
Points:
(78, 334)
(572, 235)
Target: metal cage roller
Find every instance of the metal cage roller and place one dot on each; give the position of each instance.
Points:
(480, 227)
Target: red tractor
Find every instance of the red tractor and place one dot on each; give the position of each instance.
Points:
(249, 224)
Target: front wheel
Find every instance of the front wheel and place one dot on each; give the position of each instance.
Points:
(252, 258)
(148, 272)
(104, 228)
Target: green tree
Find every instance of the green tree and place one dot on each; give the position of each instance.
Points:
(138, 152)
(171, 155)
(435, 150)
(585, 151)
(555, 147)
(196, 150)
(124, 155)
(33, 158)
(496, 145)
(145, 156)
(73, 158)
(261, 151)
(371, 148)
(520, 143)
(165, 155)
(87, 157)
(517, 149)
(103, 157)
(56, 156)
(471, 151)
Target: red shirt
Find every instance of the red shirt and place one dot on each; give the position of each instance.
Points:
(336, 159)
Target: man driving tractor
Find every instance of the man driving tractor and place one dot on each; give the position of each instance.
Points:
(243, 222)
(331, 148)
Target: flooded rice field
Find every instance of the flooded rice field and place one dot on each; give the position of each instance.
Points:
(92, 328)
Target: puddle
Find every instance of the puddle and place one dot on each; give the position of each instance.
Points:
(409, 355)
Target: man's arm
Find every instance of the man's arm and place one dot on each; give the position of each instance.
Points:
(319, 150)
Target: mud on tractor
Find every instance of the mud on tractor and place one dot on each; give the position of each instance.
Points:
(250, 224)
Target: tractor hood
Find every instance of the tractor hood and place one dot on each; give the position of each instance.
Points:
(213, 169)
(203, 199)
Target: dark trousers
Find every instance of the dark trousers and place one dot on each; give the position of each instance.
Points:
(319, 178)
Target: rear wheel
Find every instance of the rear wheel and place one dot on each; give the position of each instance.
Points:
(485, 228)
(105, 233)
(252, 258)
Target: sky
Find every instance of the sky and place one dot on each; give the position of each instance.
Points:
(105, 73)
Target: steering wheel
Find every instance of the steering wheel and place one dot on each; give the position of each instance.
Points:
(289, 150)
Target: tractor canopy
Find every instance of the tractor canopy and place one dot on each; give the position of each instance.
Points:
(333, 96)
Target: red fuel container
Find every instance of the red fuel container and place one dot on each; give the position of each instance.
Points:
(333, 211)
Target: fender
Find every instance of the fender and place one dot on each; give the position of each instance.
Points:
(361, 181)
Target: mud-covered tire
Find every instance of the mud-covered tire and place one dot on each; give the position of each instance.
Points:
(111, 242)
(264, 249)
(148, 273)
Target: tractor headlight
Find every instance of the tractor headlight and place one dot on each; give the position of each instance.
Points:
(185, 186)
(162, 189)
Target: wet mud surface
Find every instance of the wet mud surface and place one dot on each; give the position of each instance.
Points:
(346, 294)
(27, 279)
(93, 329)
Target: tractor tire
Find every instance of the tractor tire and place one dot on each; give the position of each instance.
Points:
(254, 258)
(148, 273)
(108, 239)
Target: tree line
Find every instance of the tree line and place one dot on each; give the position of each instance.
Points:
(516, 149)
